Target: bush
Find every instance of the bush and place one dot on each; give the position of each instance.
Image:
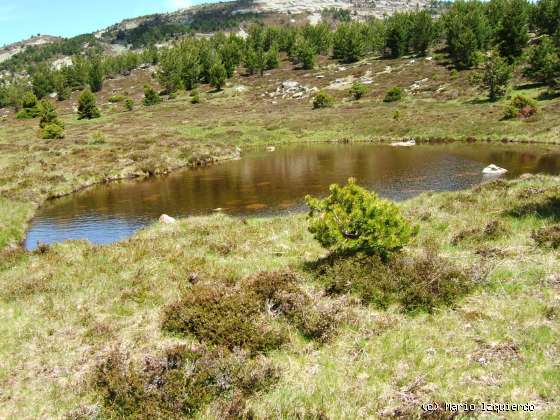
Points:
(548, 236)
(195, 99)
(117, 98)
(52, 131)
(520, 107)
(87, 108)
(323, 100)
(48, 114)
(30, 108)
(495, 76)
(177, 384)
(352, 219)
(129, 105)
(394, 94)
(218, 75)
(150, 96)
(419, 283)
(237, 317)
(358, 90)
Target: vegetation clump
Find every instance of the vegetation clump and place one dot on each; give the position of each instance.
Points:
(495, 77)
(51, 126)
(520, 106)
(416, 283)
(87, 106)
(352, 219)
(30, 108)
(128, 105)
(117, 98)
(151, 97)
(323, 100)
(548, 236)
(358, 90)
(236, 317)
(179, 383)
(394, 94)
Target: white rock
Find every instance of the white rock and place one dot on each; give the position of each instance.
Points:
(408, 143)
(167, 220)
(494, 170)
(271, 149)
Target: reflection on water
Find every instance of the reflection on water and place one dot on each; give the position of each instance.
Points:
(268, 183)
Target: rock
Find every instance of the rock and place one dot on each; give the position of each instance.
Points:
(290, 84)
(408, 143)
(494, 170)
(167, 220)
(271, 149)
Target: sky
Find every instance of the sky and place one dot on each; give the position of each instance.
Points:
(20, 19)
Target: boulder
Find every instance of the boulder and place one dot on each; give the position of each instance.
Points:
(167, 220)
(494, 170)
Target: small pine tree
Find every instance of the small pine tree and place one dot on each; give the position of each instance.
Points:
(96, 75)
(394, 94)
(305, 54)
(52, 131)
(128, 104)
(48, 114)
(87, 108)
(29, 107)
(495, 76)
(323, 100)
(218, 75)
(352, 219)
(150, 96)
(358, 90)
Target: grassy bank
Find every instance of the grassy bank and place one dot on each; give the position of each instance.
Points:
(65, 308)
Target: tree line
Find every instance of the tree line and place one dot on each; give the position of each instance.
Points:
(467, 30)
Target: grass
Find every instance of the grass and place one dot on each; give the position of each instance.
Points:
(63, 310)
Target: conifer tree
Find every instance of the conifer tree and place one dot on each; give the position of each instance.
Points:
(87, 108)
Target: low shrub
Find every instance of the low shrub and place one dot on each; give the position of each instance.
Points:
(548, 236)
(394, 94)
(195, 99)
(323, 100)
(151, 97)
(352, 219)
(520, 107)
(453, 74)
(27, 114)
(240, 316)
(52, 131)
(492, 230)
(172, 95)
(417, 283)
(117, 98)
(30, 107)
(358, 90)
(178, 384)
(545, 205)
(129, 105)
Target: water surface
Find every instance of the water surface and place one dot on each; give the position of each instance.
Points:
(264, 183)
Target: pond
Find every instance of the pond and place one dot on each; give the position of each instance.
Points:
(266, 183)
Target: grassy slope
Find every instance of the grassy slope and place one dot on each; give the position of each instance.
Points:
(138, 143)
(61, 311)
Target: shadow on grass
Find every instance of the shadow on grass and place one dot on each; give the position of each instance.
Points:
(546, 207)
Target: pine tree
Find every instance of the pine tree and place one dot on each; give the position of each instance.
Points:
(513, 34)
(218, 75)
(151, 97)
(96, 75)
(496, 76)
(87, 108)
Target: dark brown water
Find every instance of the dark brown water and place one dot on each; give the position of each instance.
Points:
(263, 183)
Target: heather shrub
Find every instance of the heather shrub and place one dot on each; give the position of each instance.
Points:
(394, 94)
(240, 316)
(548, 236)
(179, 383)
(416, 283)
(323, 100)
(129, 105)
(352, 219)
